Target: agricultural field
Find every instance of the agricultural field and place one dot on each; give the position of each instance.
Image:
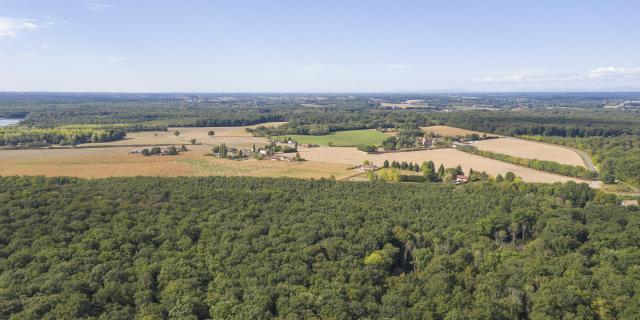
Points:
(341, 138)
(447, 131)
(398, 105)
(109, 162)
(448, 157)
(233, 136)
(531, 150)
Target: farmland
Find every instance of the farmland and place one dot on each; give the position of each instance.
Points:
(322, 162)
(531, 150)
(447, 157)
(94, 160)
(108, 162)
(341, 138)
(235, 136)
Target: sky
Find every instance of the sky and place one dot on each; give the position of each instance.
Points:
(319, 46)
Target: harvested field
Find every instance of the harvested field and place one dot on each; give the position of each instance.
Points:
(531, 150)
(109, 162)
(448, 157)
(397, 105)
(447, 131)
(232, 136)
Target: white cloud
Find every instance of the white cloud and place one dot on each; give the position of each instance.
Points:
(11, 27)
(95, 6)
(398, 66)
(613, 72)
(601, 73)
(499, 79)
(320, 67)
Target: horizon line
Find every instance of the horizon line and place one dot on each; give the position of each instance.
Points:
(459, 91)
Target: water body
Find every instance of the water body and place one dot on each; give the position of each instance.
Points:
(8, 122)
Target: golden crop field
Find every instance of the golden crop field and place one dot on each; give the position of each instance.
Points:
(448, 157)
(397, 105)
(111, 158)
(447, 131)
(108, 162)
(233, 136)
(531, 150)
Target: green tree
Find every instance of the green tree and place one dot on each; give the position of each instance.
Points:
(509, 176)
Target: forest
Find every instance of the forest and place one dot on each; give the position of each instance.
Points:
(34, 137)
(263, 248)
(556, 122)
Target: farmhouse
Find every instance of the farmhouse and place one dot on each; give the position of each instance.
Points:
(426, 142)
(629, 203)
(460, 144)
(367, 167)
(136, 151)
(278, 158)
(461, 179)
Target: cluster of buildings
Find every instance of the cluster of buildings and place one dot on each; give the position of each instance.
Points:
(367, 167)
(168, 151)
(245, 153)
(461, 178)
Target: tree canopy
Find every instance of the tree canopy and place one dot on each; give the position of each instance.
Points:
(258, 248)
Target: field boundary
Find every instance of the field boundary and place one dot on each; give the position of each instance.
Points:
(586, 157)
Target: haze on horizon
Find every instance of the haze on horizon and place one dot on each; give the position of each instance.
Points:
(318, 46)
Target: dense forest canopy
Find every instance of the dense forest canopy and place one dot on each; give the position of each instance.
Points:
(554, 122)
(257, 248)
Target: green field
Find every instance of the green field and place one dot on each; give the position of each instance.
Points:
(350, 138)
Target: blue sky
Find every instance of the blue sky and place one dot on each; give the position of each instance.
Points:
(318, 46)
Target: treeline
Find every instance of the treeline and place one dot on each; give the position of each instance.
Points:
(246, 120)
(556, 122)
(617, 158)
(28, 137)
(257, 248)
(430, 174)
(316, 121)
(129, 127)
(542, 165)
